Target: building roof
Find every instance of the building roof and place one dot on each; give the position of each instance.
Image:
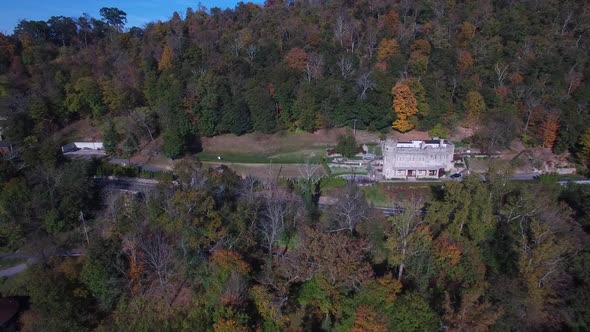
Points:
(9, 307)
(427, 144)
(418, 168)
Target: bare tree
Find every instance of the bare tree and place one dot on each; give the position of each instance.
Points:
(273, 222)
(236, 46)
(365, 83)
(531, 104)
(350, 210)
(14, 158)
(144, 119)
(279, 209)
(314, 66)
(339, 29)
(346, 67)
(501, 72)
(158, 256)
(248, 188)
(573, 79)
(371, 43)
(251, 52)
(309, 171)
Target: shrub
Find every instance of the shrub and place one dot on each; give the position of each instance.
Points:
(347, 145)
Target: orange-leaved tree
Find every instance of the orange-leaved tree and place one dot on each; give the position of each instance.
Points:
(464, 61)
(389, 23)
(550, 127)
(296, 59)
(405, 106)
(367, 319)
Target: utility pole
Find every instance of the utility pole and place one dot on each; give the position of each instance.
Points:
(85, 229)
(354, 128)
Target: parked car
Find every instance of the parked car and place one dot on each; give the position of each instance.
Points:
(456, 176)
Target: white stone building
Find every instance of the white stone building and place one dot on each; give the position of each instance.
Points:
(417, 159)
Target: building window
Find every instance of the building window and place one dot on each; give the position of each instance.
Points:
(432, 173)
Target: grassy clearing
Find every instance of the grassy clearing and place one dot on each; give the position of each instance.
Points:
(280, 148)
(375, 149)
(376, 196)
(349, 170)
(294, 156)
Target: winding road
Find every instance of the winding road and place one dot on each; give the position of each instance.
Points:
(16, 269)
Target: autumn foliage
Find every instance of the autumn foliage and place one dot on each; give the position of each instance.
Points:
(166, 60)
(464, 60)
(228, 325)
(474, 106)
(389, 23)
(367, 319)
(405, 107)
(550, 127)
(387, 49)
(296, 59)
(447, 250)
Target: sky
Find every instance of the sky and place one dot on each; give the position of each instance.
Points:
(138, 12)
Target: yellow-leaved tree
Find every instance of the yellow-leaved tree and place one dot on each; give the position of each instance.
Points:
(387, 48)
(474, 105)
(405, 106)
(166, 59)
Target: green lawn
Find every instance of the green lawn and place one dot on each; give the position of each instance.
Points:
(293, 156)
(349, 170)
(376, 196)
(332, 182)
(375, 149)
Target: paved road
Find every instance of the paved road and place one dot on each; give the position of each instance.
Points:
(16, 269)
(8, 272)
(126, 184)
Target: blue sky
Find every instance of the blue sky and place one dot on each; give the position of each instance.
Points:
(138, 11)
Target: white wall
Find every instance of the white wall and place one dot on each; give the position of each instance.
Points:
(89, 145)
(82, 145)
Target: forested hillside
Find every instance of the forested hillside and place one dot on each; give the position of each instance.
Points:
(519, 68)
(207, 250)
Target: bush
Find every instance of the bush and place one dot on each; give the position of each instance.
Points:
(162, 176)
(347, 145)
(106, 169)
(439, 131)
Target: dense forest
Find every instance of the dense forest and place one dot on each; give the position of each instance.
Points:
(519, 67)
(211, 251)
